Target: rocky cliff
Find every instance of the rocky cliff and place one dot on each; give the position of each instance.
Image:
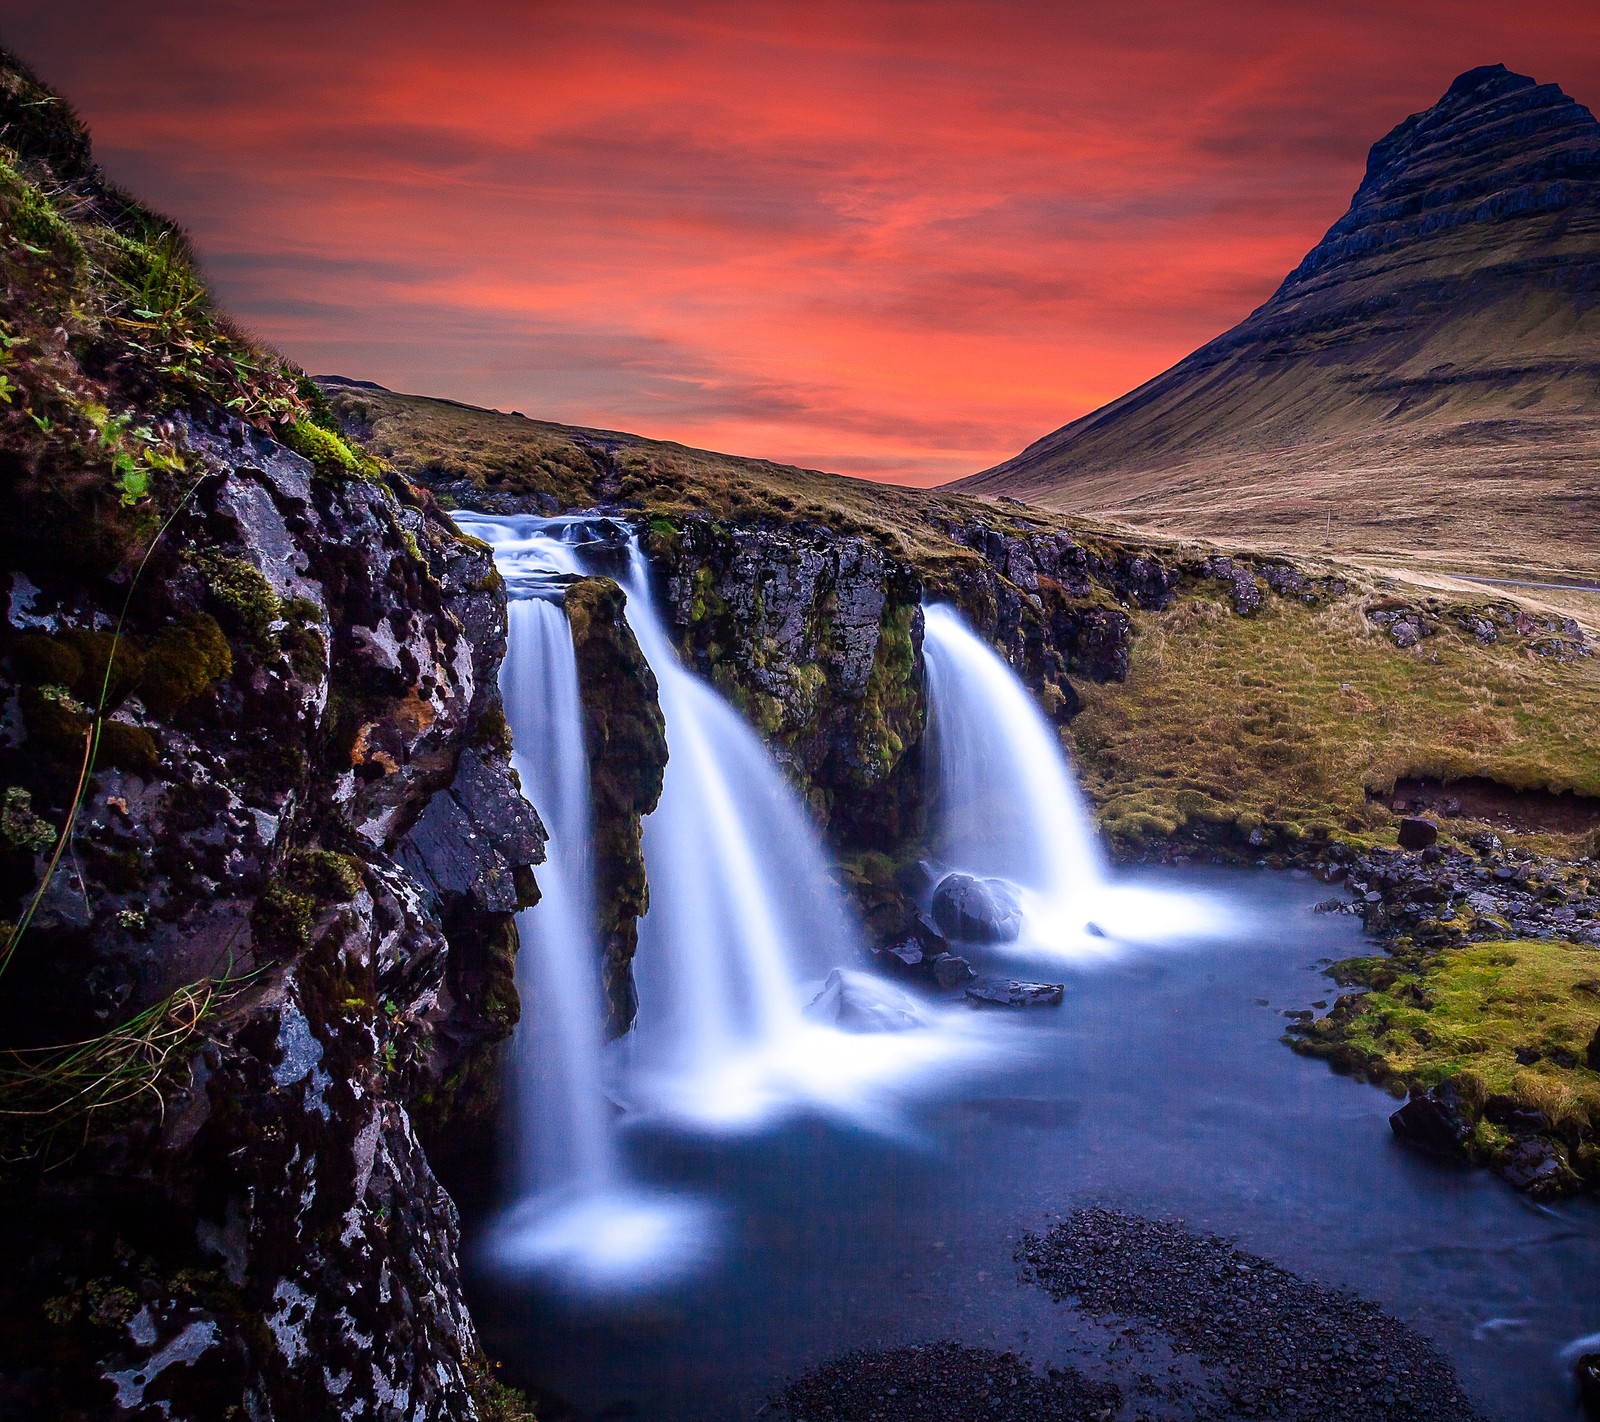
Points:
(1430, 371)
(261, 849)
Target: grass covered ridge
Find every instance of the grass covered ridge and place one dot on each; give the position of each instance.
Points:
(1277, 723)
(107, 331)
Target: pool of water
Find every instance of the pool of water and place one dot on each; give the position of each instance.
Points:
(1160, 1086)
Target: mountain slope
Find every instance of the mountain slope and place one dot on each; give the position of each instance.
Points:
(1430, 372)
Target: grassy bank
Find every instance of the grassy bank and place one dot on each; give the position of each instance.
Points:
(1509, 1024)
(1284, 720)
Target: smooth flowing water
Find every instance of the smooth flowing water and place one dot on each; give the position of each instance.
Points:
(563, 1131)
(1160, 1086)
(1006, 805)
(744, 925)
(575, 1213)
(1005, 799)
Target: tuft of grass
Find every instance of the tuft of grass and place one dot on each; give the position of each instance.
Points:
(47, 1091)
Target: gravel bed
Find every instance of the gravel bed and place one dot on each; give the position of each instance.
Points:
(942, 1382)
(1273, 1345)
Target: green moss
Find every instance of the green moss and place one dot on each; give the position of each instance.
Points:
(20, 827)
(244, 596)
(330, 456)
(30, 220)
(46, 661)
(282, 919)
(129, 748)
(494, 1400)
(56, 721)
(890, 717)
(329, 878)
(1466, 1012)
(183, 661)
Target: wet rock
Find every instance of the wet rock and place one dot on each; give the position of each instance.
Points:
(1539, 1167)
(856, 1002)
(625, 735)
(1587, 1372)
(1417, 833)
(950, 971)
(977, 910)
(1014, 992)
(904, 957)
(1437, 1121)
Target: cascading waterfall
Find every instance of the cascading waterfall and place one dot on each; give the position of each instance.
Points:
(1006, 801)
(1007, 805)
(563, 1139)
(744, 920)
(576, 1213)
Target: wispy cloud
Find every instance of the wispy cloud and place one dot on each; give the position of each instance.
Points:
(900, 238)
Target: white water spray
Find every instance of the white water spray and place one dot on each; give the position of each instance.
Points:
(563, 1138)
(744, 923)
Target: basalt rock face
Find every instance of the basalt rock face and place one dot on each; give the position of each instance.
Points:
(280, 893)
(817, 638)
(627, 743)
(1446, 329)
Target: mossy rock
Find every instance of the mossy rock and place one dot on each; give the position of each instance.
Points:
(183, 661)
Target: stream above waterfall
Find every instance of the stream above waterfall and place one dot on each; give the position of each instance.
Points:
(1159, 1087)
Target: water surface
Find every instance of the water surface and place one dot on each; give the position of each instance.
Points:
(1161, 1087)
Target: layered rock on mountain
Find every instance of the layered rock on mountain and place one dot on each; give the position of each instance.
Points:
(245, 694)
(1430, 371)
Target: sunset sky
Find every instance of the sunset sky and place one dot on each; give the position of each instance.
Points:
(892, 239)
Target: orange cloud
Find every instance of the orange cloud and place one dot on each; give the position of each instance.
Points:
(899, 238)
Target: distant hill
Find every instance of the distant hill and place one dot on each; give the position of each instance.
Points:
(1430, 373)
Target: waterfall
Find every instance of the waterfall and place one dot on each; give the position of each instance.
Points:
(1006, 802)
(563, 1135)
(576, 1216)
(744, 920)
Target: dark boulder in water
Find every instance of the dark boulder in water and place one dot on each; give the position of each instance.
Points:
(1437, 1121)
(1587, 1372)
(1010, 992)
(977, 910)
(950, 971)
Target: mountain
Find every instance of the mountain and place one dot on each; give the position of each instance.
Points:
(1429, 373)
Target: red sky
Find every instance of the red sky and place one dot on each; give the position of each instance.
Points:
(899, 238)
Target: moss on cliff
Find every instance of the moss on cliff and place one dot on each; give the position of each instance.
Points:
(627, 745)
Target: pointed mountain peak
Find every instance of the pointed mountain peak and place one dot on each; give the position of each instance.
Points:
(1497, 145)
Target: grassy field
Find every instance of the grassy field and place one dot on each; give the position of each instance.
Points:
(1286, 719)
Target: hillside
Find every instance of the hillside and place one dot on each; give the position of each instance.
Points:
(1283, 721)
(1429, 373)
